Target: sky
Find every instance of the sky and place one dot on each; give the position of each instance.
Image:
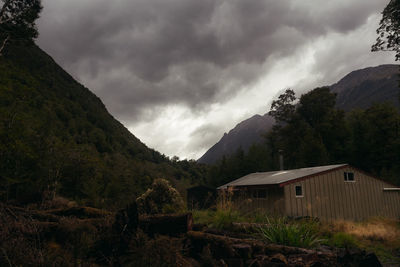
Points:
(180, 73)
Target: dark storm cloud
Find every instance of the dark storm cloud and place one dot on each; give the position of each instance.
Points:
(139, 54)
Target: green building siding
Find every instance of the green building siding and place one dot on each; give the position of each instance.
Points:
(329, 197)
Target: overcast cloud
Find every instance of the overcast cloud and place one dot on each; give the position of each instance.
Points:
(180, 73)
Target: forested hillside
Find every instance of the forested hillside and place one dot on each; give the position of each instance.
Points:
(57, 138)
(359, 89)
(314, 132)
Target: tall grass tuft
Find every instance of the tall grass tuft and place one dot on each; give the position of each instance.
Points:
(298, 234)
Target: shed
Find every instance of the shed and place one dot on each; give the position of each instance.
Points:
(333, 192)
(201, 197)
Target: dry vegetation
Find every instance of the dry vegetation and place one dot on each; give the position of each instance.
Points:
(378, 235)
(62, 234)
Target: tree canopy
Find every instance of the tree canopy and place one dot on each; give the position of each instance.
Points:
(283, 109)
(389, 29)
(17, 17)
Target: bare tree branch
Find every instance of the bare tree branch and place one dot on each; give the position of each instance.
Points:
(4, 45)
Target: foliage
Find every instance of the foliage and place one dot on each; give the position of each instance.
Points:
(283, 108)
(343, 240)
(389, 29)
(298, 233)
(317, 133)
(160, 198)
(223, 219)
(257, 159)
(378, 235)
(17, 20)
(57, 138)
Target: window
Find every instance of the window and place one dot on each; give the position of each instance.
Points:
(260, 193)
(348, 177)
(299, 191)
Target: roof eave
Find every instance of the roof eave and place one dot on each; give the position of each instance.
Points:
(311, 175)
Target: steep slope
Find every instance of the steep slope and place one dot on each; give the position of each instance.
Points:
(56, 137)
(358, 89)
(362, 88)
(243, 135)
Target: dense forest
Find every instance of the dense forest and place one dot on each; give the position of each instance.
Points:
(310, 131)
(56, 137)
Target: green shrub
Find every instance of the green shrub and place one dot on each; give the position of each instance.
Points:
(219, 219)
(343, 240)
(160, 198)
(297, 234)
(223, 219)
(203, 216)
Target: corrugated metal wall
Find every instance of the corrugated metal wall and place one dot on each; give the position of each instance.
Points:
(329, 197)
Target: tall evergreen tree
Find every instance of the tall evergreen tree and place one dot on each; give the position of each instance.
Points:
(17, 20)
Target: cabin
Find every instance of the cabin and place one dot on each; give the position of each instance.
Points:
(201, 197)
(334, 192)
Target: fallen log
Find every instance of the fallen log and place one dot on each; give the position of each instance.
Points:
(170, 224)
(268, 249)
(80, 212)
(252, 250)
(17, 212)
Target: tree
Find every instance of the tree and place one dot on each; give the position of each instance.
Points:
(389, 29)
(160, 198)
(283, 109)
(17, 20)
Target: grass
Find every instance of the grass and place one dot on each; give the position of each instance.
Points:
(378, 235)
(291, 233)
(219, 219)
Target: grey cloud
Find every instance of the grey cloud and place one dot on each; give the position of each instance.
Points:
(138, 54)
(203, 136)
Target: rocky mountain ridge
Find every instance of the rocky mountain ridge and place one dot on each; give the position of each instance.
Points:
(358, 89)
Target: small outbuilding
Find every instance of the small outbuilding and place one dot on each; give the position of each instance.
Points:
(201, 197)
(334, 192)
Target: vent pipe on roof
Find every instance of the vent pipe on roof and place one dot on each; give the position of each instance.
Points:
(281, 159)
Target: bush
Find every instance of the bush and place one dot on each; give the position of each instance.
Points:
(223, 219)
(160, 198)
(343, 240)
(298, 234)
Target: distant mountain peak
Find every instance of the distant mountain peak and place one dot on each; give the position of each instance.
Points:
(358, 89)
(243, 135)
(361, 88)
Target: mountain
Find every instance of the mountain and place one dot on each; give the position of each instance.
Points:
(362, 88)
(358, 89)
(57, 138)
(243, 135)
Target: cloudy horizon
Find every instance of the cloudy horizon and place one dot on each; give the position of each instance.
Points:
(180, 73)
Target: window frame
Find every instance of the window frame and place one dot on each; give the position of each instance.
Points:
(347, 176)
(301, 191)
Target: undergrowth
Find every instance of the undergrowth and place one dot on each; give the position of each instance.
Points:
(291, 233)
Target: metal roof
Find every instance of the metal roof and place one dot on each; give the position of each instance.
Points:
(278, 177)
